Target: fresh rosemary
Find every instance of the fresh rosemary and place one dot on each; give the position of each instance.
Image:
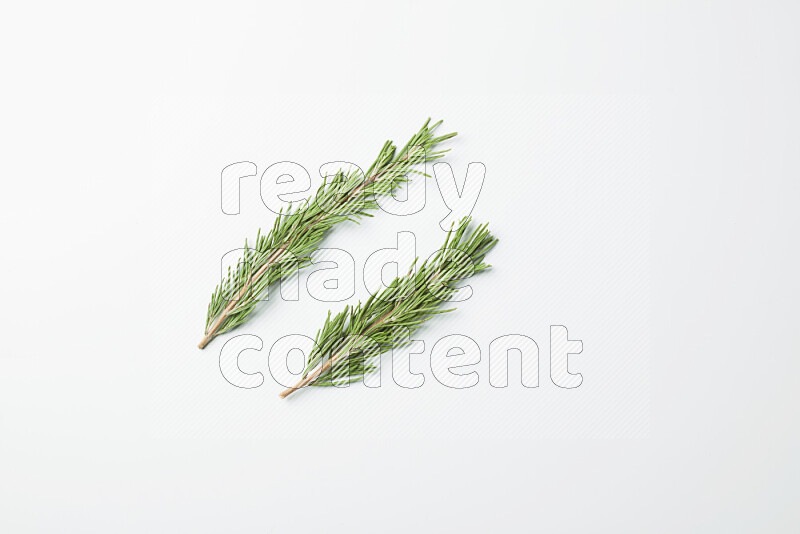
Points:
(346, 347)
(297, 233)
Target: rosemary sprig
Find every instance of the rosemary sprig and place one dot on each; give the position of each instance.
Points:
(297, 233)
(346, 346)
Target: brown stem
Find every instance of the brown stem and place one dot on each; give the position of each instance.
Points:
(313, 376)
(212, 331)
(310, 378)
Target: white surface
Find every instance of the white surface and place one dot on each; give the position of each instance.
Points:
(566, 191)
(642, 179)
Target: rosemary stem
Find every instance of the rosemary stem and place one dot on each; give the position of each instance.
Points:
(310, 378)
(212, 331)
(298, 233)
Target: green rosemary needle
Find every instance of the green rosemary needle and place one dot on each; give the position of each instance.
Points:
(347, 345)
(297, 233)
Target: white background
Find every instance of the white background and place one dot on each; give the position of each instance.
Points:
(641, 176)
